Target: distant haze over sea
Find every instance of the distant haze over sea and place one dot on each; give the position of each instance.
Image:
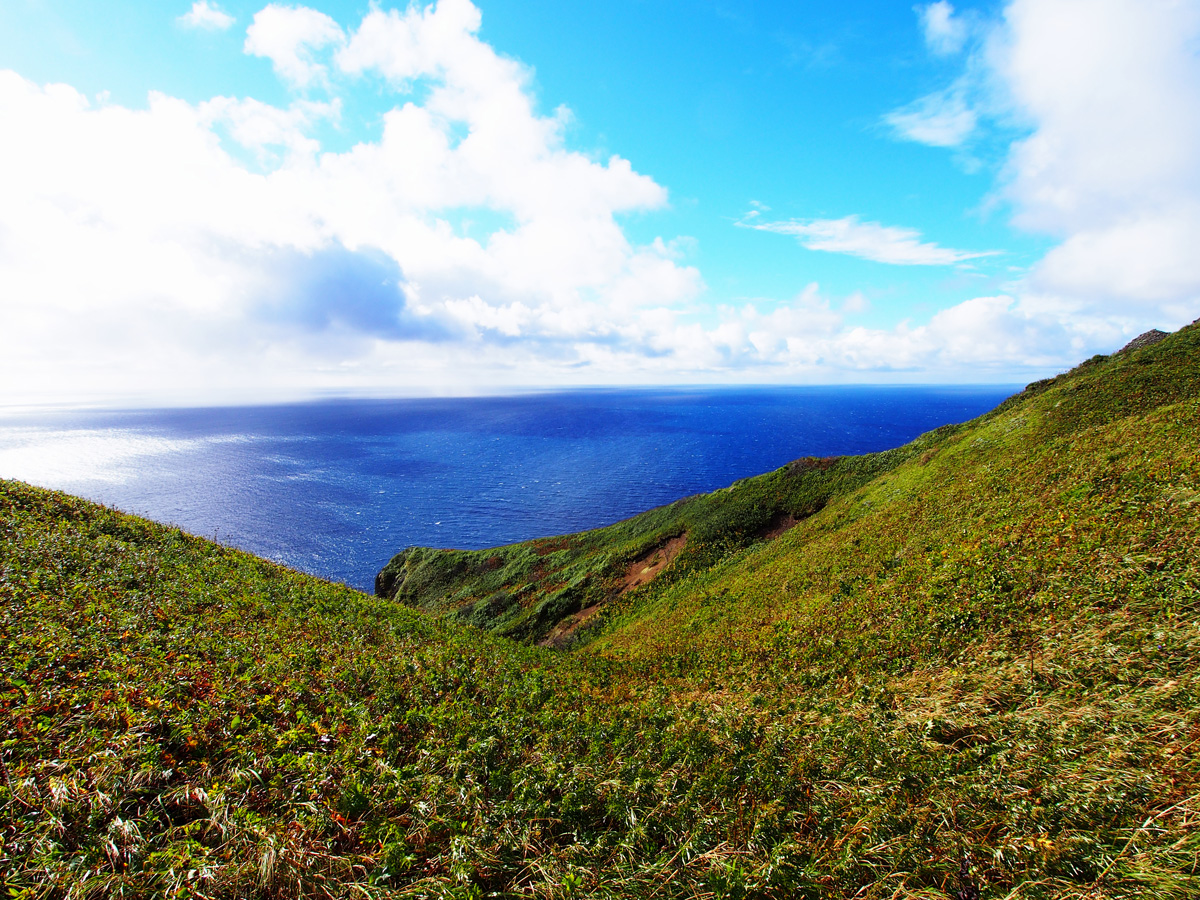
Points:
(336, 488)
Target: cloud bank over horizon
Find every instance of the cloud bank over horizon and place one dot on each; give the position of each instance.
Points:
(220, 249)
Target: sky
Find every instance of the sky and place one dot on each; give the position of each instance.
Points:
(213, 202)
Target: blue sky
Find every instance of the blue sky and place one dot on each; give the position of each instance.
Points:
(226, 201)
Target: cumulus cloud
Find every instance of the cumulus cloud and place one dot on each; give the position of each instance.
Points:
(1099, 102)
(809, 337)
(206, 17)
(270, 132)
(1109, 165)
(219, 249)
(219, 243)
(980, 339)
(290, 36)
(866, 240)
(335, 289)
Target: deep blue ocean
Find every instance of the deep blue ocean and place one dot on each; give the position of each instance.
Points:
(335, 488)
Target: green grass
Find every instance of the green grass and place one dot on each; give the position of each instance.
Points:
(523, 590)
(971, 665)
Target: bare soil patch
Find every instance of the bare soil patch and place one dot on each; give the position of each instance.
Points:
(646, 567)
(780, 525)
(640, 571)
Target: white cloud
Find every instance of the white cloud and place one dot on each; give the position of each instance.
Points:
(941, 119)
(289, 36)
(945, 33)
(507, 157)
(949, 117)
(267, 129)
(856, 303)
(206, 16)
(988, 339)
(1110, 163)
(978, 340)
(1103, 97)
(198, 251)
(867, 240)
(193, 270)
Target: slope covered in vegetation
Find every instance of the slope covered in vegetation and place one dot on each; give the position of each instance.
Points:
(969, 669)
(543, 590)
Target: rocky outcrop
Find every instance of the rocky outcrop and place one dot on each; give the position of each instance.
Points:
(1153, 336)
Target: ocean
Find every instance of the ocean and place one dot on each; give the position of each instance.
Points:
(335, 488)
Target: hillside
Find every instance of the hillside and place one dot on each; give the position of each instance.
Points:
(966, 668)
(550, 590)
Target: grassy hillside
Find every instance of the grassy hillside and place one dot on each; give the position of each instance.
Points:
(545, 590)
(968, 669)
